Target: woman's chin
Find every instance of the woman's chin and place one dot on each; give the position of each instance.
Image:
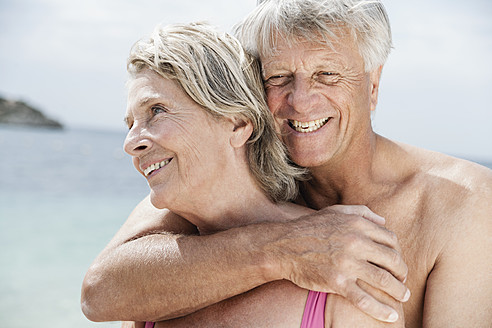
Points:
(157, 201)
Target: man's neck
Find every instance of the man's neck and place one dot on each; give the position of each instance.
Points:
(357, 177)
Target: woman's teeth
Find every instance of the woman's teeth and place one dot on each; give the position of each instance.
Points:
(155, 166)
(305, 127)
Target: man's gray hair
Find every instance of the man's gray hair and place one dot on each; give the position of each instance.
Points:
(215, 71)
(318, 20)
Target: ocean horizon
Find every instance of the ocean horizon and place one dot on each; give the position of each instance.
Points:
(63, 195)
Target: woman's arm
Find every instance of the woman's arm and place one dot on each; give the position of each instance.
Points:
(279, 304)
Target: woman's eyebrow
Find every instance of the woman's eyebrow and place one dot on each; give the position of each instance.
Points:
(127, 121)
(148, 99)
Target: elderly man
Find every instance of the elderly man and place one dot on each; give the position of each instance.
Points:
(322, 62)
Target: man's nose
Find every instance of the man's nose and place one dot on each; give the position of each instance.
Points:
(302, 98)
(137, 141)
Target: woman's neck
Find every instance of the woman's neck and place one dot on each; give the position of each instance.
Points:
(236, 201)
(248, 207)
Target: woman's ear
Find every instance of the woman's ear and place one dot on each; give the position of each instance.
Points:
(242, 130)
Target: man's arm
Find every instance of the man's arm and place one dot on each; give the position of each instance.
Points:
(157, 256)
(166, 275)
(459, 287)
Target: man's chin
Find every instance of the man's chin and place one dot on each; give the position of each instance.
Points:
(308, 160)
(308, 155)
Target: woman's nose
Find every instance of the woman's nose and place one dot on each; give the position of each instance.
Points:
(136, 141)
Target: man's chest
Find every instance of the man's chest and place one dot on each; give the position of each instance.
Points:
(421, 240)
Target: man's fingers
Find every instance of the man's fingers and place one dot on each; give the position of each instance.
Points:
(360, 210)
(366, 213)
(368, 304)
(378, 234)
(386, 258)
(383, 280)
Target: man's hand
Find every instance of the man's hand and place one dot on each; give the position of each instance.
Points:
(334, 249)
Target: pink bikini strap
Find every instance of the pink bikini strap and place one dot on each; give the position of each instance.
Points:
(314, 311)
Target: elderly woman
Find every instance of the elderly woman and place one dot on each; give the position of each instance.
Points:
(200, 132)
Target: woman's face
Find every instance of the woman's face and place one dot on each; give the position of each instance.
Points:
(178, 147)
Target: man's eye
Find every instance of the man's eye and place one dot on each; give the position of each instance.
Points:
(328, 77)
(332, 74)
(277, 80)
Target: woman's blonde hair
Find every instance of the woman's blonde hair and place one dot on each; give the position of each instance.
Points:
(213, 69)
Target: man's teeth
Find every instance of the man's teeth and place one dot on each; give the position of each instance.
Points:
(155, 166)
(306, 127)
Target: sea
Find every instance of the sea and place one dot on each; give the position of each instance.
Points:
(63, 195)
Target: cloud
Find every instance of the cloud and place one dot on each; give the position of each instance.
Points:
(437, 80)
(68, 57)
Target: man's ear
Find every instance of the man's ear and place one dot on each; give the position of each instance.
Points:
(242, 130)
(375, 77)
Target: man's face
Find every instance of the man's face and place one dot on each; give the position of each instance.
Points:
(321, 98)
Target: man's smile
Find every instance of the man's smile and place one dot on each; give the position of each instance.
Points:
(311, 126)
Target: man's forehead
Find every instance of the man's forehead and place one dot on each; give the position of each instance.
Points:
(339, 50)
(304, 55)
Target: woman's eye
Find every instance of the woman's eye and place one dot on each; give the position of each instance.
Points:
(158, 110)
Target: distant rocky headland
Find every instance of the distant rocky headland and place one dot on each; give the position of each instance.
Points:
(14, 112)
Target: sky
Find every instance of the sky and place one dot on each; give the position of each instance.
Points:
(68, 58)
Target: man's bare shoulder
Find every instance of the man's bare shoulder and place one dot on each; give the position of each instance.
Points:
(443, 169)
(453, 175)
(457, 216)
(452, 188)
(439, 186)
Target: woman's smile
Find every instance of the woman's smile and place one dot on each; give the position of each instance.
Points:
(155, 167)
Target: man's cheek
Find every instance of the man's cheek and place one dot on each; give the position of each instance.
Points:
(273, 101)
